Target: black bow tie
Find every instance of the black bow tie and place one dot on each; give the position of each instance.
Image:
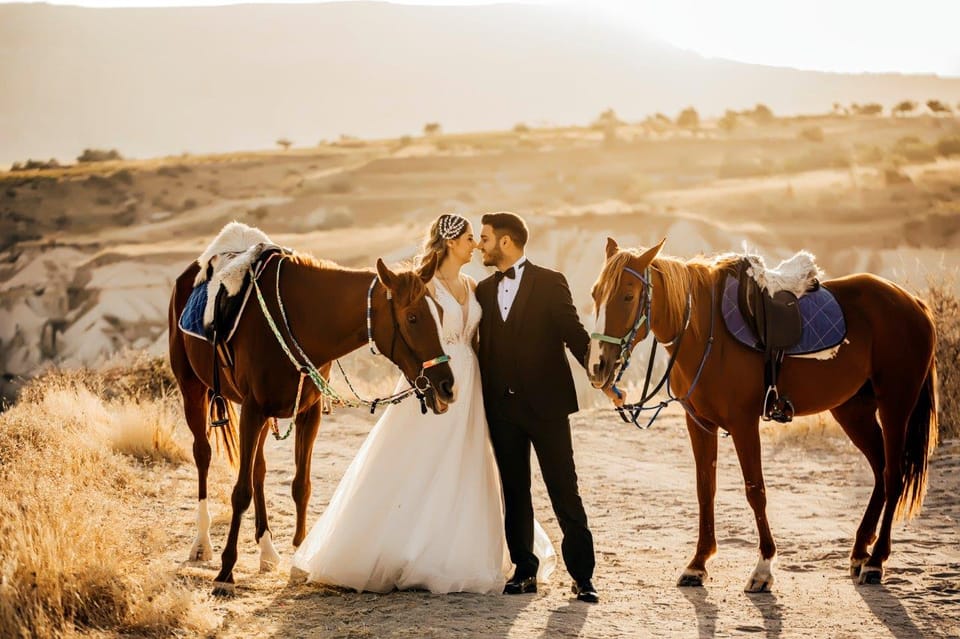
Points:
(510, 273)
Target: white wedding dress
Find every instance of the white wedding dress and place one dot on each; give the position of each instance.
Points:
(420, 506)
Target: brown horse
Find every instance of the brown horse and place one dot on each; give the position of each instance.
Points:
(886, 366)
(327, 309)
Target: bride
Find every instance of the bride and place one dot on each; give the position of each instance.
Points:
(420, 506)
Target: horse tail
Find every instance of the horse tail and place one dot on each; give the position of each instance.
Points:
(226, 440)
(921, 440)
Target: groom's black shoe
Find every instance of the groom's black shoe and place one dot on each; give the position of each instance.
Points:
(585, 591)
(519, 585)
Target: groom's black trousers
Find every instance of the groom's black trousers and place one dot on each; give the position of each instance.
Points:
(511, 437)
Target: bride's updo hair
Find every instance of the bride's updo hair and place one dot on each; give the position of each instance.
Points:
(448, 226)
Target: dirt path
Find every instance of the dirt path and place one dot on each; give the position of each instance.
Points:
(639, 491)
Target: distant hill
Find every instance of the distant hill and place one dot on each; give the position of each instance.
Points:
(163, 81)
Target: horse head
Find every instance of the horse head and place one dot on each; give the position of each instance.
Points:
(621, 297)
(415, 334)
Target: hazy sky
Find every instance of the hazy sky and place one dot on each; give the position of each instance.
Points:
(918, 36)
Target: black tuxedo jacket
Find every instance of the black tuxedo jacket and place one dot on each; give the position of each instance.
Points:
(525, 353)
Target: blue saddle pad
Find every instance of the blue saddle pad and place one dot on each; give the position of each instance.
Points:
(823, 323)
(191, 319)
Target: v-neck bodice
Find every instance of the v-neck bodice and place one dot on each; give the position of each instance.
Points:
(460, 321)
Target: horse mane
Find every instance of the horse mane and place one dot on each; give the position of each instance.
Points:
(305, 259)
(410, 286)
(682, 274)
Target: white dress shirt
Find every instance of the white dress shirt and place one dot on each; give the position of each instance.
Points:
(507, 288)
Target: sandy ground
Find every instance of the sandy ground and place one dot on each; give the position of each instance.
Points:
(638, 487)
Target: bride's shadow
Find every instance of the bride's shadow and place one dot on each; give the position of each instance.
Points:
(306, 610)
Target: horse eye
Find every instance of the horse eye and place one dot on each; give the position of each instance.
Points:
(628, 298)
(412, 318)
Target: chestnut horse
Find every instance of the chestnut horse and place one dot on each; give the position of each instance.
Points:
(886, 366)
(331, 310)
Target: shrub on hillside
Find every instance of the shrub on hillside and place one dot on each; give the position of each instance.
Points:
(812, 133)
(949, 145)
(913, 149)
(34, 165)
(868, 109)
(99, 155)
(689, 118)
(817, 158)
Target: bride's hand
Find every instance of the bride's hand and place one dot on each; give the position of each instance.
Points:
(617, 401)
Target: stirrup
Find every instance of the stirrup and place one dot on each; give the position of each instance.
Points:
(218, 407)
(776, 407)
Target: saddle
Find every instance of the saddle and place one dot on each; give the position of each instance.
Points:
(221, 291)
(777, 323)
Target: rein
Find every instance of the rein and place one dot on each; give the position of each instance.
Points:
(307, 368)
(630, 413)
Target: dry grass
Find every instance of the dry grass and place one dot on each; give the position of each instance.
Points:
(76, 539)
(806, 431)
(945, 304)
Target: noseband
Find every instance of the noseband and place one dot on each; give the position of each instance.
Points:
(643, 316)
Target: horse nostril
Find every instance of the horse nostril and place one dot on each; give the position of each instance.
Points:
(446, 387)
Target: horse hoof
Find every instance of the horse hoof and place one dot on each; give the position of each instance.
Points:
(692, 579)
(870, 575)
(856, 565)
(269, 559)
(224, 589)
(758, 585)
(268, 565)
(200, 553)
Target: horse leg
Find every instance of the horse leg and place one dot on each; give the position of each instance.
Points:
(194, 395)
(308, 423)
(704, 446)
(746, 440)
(894, 412)
(252, 422)
(858, 418)
(269, 559)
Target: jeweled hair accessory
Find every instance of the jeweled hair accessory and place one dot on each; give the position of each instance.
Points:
(451, 226)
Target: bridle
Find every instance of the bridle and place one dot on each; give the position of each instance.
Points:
(421, 384)
(631, 412)
(643, 315)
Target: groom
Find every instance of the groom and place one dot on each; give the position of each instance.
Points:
(528, 391)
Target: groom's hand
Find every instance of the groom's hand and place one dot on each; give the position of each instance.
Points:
(617, 401)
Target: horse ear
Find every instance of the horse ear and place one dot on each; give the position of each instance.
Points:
(387, 277)
(650, 254)
(427, 270)
(612, 247)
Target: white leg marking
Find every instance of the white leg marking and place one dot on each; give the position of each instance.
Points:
(762, 578)
(202, 549)
(269, 559)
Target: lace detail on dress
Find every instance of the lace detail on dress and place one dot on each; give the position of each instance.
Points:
(456, 328)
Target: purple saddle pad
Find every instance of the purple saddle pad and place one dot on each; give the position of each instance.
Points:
(823, 323)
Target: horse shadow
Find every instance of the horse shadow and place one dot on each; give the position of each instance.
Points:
(706, 611)
(771, 611)
(886, 607)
